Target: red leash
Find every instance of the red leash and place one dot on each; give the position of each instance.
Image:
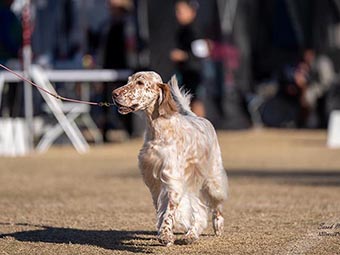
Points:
(101, 104)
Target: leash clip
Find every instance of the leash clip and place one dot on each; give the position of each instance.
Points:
(106, 104)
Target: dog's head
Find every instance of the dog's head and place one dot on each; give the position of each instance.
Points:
(144, 90)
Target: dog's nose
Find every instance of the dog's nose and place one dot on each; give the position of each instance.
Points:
(115, 94)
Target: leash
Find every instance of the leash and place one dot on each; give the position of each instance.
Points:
(101, 104)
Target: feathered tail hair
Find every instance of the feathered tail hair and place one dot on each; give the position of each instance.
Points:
(181, 97)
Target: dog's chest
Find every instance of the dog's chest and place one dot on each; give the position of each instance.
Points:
(149, 157)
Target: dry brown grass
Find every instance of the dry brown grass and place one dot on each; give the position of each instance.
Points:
(283, 185)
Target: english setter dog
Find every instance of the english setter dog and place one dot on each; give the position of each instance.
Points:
(180, 160)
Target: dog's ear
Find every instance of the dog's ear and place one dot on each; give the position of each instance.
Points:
(167, 105)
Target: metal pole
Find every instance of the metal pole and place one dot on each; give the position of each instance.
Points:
(27, 61)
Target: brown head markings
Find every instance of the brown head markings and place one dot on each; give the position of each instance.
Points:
(145, 91)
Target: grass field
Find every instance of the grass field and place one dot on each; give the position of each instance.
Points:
(284, 199)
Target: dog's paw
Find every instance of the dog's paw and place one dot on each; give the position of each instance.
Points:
(189, 238)
(166, 237)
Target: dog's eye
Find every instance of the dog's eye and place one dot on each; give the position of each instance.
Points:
(140, 83)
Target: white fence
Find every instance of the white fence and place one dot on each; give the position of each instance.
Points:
(15, 133)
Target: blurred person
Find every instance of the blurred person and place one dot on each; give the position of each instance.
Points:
(303, 90)
(189, 66)
(117, 45)
(117, 41)
(280, 31)
(322, 76)
(288, 107)
(10, 46)
(11, 31)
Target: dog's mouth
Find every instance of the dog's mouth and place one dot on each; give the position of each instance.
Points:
(122, 109)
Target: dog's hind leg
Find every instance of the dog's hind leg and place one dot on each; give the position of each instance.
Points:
(218, 220)
(216, 189)
(199, 220)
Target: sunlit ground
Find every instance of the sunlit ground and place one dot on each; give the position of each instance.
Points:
(284, 199)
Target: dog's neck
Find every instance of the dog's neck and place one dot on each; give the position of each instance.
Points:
(152, 112)
(156, 122)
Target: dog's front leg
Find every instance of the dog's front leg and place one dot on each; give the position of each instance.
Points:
(168, 201)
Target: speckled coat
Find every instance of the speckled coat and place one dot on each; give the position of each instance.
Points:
(180, 160)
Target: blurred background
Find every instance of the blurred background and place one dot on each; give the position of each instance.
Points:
(262, 63)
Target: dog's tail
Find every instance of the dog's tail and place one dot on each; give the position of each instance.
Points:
(181, 97)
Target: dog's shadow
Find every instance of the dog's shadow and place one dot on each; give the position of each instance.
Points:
(119, 240)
